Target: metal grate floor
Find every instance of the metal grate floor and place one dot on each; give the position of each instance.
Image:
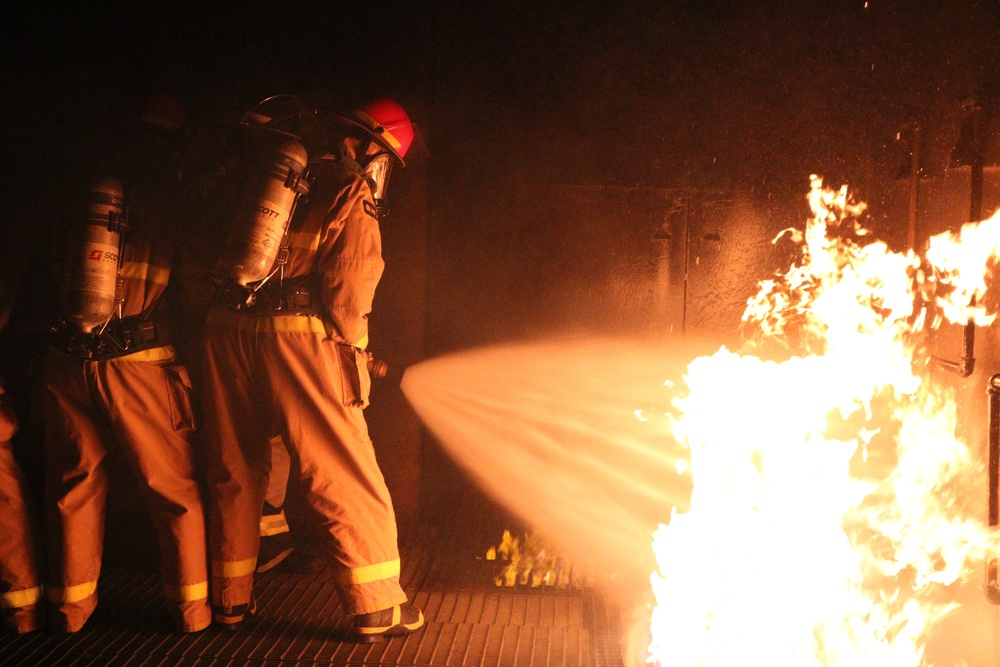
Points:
(469, 622)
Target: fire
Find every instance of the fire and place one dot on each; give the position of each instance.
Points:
(530, 560)
(830, 491)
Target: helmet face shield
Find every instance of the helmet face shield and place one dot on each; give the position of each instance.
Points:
(377, 172)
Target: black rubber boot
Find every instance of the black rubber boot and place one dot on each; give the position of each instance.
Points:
(395, 621)
(233, 618)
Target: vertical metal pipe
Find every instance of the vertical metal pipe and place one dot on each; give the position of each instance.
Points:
(994, 451)
(975, 215)
(911, 232)
(976, 176)
(966, 365)
(992, 587)
(687, 258)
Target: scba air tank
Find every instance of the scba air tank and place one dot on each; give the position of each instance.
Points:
(92, 264)
(265, 211)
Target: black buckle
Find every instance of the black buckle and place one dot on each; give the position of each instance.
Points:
(282, 257)
(299, 300)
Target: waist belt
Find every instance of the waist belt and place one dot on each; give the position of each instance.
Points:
(287, 299)
(120, 337)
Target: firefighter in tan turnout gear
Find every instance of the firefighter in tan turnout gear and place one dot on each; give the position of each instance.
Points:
(111, 378)
(20, 590)
(285, 355)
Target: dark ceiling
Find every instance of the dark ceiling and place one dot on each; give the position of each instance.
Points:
(746, 96)
(636, 92)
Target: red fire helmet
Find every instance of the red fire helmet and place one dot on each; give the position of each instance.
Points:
(163, 110)
(388, 124)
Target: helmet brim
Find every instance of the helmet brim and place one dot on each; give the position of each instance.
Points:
(374, 136)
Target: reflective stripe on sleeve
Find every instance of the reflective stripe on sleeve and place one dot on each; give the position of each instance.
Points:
(265, 323)
(273, 524)
(71, 593)
(23, 598)
(303, 240)
(158, 275)
(233, 568)
(187, 593)
(368, 573)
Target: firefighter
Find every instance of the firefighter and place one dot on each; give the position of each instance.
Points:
(20, 590)
(285, 356)
(218, 160)
(275, 534)
(112, 379)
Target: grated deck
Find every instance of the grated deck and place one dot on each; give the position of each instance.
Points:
(470, 623)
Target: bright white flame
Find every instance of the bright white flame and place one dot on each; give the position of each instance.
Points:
(975, 247)
(827, 493)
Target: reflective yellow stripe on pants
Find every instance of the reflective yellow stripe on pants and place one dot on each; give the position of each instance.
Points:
(254, 324)
(249, 323)
(71, 594)
(187, 593)
(273, 524)
(233, 568)
(369, 573)
(23, 598)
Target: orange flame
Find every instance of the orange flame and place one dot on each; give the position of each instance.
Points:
(828, 501)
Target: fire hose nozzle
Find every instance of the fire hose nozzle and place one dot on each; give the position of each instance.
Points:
(381, 370)
(377, 368)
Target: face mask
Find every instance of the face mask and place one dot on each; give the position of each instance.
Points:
(377, 173)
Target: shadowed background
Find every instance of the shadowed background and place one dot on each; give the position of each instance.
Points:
(614, 169)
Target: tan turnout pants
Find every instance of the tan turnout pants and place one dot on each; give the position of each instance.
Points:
(142, 403)
(281, 372)
(20, 591)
